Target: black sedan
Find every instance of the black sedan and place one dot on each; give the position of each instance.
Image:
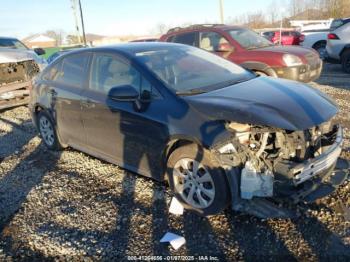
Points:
(217, 133)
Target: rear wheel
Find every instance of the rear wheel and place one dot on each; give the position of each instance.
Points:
(48, 131)
(320, 47)
(197, 180)
(345, 61)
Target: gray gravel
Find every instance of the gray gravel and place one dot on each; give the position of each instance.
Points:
(67, 205)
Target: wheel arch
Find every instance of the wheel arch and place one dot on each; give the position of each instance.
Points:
(319, 42)
(173, 144)
(260, 67)
(346, 48)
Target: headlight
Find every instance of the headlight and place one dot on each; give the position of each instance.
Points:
(292, 60)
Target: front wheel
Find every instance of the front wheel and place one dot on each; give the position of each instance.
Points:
(197, 180)
(48, 132)
(345, 61)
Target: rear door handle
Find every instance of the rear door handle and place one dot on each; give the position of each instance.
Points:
(87, 103)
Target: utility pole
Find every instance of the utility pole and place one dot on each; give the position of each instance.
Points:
(82, 23)
(74, 8)
(222, 11)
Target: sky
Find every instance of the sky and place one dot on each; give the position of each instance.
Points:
(20, 18)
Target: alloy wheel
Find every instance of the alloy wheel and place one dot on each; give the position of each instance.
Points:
(47, 131)
(193, 183)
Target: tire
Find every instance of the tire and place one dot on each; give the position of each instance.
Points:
(345, 61)
(260, 73)
(320, 47)
(209, 187)
(48, 132)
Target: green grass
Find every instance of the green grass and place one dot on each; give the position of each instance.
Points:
(51, 50)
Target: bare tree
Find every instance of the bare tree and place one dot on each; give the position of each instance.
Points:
(58, 35)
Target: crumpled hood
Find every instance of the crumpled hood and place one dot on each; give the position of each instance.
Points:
(267, 101)
(9, 55)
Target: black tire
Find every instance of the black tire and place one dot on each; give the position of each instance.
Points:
(345, 61)
(320, 47)
(47, 136)
(260, 73)
(207, 165)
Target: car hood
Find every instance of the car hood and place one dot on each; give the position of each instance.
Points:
(295, 50)
(267, 101)
(9, 55)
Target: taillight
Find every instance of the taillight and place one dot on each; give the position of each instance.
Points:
(332, 36)
(301, 38)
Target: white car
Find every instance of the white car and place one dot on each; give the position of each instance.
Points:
(338, 43)
(316, 39)
(18, 65)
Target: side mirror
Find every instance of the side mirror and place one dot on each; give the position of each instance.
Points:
(125, 93)
(225, 47)
(39, 51)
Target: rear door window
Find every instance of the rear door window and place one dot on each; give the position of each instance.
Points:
(186, 39)
(74, 70)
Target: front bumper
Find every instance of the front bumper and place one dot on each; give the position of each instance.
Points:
(303, 73)
(14, 94)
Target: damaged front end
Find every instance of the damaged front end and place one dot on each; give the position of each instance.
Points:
(268, 165)
(15, 82)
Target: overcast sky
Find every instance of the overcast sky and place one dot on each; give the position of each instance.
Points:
(115, 17)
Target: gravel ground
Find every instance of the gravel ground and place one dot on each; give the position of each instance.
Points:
(67, 205)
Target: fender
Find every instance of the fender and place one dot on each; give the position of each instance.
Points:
(346, 47)
(259, 66)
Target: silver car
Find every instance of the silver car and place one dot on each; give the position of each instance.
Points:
(338, 43)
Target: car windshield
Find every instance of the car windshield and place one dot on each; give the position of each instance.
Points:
(188, 70)
(249, 39)
(11, 43)
(336, 23)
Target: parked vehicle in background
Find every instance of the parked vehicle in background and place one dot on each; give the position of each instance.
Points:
(145, 39)
(338, 43)
(316, 39)
(250, 50)
(268, 35)
(18, 65)
(288, 38)
(234, 139)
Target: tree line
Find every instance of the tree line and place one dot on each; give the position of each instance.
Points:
(293, 10)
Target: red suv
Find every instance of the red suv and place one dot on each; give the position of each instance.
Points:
(288, 37)
(250, 50)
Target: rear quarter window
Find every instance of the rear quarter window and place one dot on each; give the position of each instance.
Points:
(338, 23)
(186, 39)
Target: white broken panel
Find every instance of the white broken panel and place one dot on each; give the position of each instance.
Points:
(175, 241)
(176, 207)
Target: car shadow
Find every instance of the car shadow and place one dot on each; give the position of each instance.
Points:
(9, 145)
(14, 189)
(332, 75)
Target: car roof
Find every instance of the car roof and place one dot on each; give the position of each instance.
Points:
(5, 37)
(127, 48)
(203, 26)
